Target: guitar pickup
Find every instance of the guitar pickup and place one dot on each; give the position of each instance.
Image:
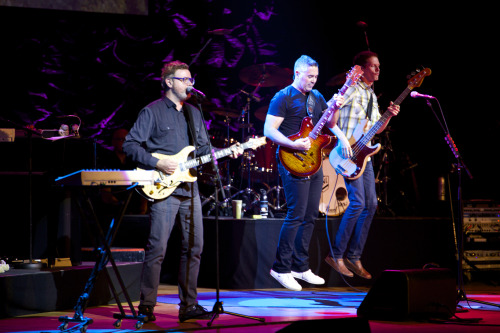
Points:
(298, 156)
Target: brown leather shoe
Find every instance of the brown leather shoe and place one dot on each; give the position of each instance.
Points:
(338, 265)
(357, 268)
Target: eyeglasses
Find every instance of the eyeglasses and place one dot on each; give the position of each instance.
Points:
(184, 79)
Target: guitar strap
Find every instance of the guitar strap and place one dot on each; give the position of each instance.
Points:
(310, 104)
(189, 117)
(370, 106)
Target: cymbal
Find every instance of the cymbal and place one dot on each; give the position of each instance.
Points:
(264, 75)
(261, 113)
(337, 80)
(226, 112)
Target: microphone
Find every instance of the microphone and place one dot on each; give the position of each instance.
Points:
(194, 91)
(415, 94)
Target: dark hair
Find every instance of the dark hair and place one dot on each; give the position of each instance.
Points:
(169, 69)
(362, 57)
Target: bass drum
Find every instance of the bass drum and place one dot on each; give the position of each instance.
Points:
(334, 199)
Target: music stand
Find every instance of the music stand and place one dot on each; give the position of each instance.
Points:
(458, 226)
(218, 308)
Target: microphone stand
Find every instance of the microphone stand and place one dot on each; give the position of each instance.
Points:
(218, 308)
(199, 52)
(458, 226)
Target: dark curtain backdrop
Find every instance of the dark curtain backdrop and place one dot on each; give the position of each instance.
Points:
(103, 68)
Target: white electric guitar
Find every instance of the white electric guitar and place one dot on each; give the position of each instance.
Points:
(165, 184)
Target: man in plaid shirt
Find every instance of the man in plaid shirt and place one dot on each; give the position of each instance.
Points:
(360, 103)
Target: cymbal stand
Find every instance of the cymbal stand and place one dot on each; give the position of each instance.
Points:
(225, 204)
(277, 189)
(458, 225)
(248, 191)
(384, 166)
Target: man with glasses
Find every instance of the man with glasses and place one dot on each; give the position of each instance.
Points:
(166, 126)
(284, 117)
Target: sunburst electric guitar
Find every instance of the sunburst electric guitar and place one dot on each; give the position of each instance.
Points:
(353, 168)
(305, 163)
(165, 184)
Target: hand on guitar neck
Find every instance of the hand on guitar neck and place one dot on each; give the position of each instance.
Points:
(392, 110)
(169, 166)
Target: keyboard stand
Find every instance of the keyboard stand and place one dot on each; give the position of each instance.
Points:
(104, 256)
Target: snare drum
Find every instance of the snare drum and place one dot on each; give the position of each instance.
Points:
(334, 199)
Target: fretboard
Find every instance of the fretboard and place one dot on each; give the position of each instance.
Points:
(195, 162)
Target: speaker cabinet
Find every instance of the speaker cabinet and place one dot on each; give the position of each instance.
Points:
(411, 294)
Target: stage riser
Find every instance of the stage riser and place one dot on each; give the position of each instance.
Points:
(247, 250)
(26, 292)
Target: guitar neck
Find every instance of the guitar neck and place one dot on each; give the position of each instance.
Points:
(371, 133)
(195, 162)
(316, 131)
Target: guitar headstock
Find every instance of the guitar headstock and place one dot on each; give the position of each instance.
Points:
(416, 80)
(255, 143)
(354, 75)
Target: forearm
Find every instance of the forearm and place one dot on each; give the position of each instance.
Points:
(277, 137)
(338, 133)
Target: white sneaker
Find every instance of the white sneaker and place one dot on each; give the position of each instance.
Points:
(308, 276)
(286, 280)
(4, 267)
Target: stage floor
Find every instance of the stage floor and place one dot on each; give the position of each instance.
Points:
(281, 309)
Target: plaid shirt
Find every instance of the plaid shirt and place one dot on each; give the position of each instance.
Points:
(354, 110)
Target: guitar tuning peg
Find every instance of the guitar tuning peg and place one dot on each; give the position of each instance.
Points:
(417, 70)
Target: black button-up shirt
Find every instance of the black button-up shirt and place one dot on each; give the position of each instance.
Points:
(161, 128)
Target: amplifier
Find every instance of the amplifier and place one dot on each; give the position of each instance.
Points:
(481, 218)
(481, 259)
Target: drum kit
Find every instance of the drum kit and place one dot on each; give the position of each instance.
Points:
(256, 173)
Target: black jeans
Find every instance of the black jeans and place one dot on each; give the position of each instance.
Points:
(303, 195)
(163, 219)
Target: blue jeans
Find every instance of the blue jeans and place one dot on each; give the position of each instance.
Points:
(353, 229)
(302, 198)
(163, 217)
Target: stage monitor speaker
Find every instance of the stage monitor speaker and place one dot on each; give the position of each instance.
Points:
(350, 324)
(411, 294)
